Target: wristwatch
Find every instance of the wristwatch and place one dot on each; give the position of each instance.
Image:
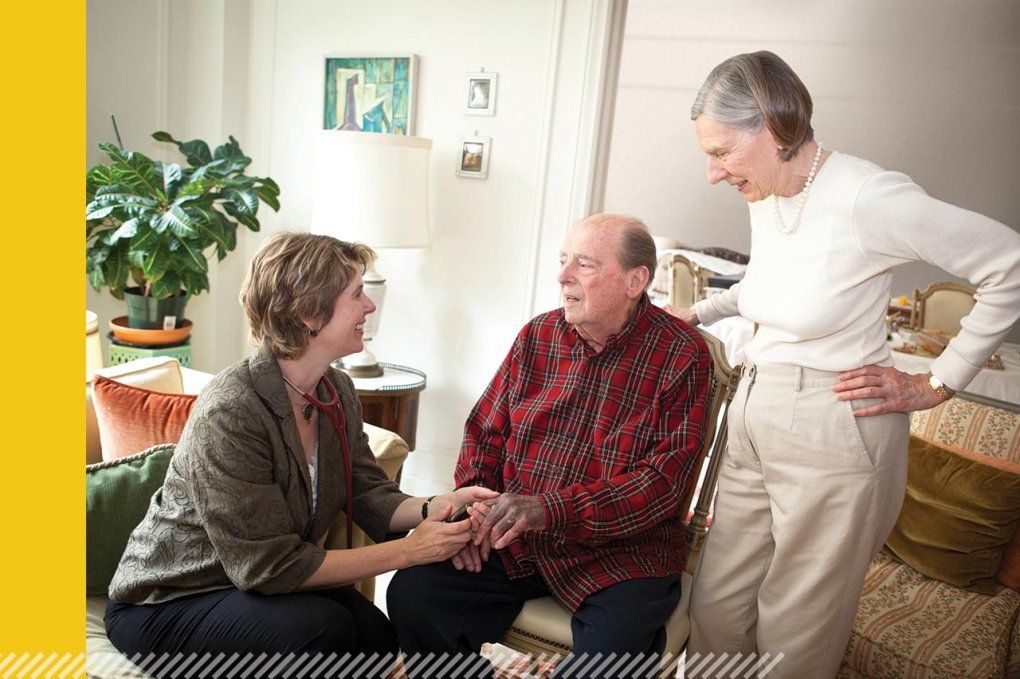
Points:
(944, 392)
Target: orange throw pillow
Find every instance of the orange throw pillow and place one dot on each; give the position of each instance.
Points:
(132, 419)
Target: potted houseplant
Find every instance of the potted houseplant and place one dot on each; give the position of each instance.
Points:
(154, 223)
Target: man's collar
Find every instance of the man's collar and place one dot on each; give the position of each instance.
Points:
(637, 320)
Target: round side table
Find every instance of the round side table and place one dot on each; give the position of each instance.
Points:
(390, 401)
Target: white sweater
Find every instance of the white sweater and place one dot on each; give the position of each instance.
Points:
(820, 295)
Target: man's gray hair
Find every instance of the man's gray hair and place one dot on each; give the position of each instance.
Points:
(755, 89)
(636, 245)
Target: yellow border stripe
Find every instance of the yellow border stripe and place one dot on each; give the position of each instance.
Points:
(42, 279)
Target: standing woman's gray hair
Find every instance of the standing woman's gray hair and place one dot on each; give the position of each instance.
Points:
(757, 88)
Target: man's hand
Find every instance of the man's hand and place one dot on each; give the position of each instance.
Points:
(510, 516)
(902, 392)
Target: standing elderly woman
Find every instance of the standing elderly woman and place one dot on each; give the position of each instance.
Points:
(226, 558)
(815, 472)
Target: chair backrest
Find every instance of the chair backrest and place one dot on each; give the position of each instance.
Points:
(687, 282)
(941, 306)
(724, 384)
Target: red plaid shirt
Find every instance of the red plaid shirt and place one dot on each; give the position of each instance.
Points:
(609, 442)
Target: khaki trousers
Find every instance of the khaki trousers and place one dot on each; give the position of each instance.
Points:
(807, 495)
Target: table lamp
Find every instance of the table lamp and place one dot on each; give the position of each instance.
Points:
(371, 188)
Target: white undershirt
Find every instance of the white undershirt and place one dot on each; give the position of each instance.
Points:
(313, 472)
(820, 295)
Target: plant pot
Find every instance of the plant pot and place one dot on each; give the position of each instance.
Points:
(148, 313)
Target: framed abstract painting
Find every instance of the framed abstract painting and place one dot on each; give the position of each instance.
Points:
(370, 94)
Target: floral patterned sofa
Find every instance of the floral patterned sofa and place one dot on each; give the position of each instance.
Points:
(911, 626)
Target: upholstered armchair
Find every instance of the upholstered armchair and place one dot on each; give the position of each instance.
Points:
(687, 282)
(941, 306)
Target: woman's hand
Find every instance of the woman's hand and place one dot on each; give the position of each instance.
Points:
(511, 516)
(473, 556)
(460, 497)
(900, 391)
(434, 540)
(688, 316)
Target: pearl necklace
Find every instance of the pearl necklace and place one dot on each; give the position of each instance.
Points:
(777, 217)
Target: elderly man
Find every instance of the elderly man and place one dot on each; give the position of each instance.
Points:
(590, 430)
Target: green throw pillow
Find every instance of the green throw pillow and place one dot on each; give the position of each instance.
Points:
(957, 517)
(117, 495)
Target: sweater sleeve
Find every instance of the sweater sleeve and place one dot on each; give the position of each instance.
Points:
(719, 306)
(896, 222)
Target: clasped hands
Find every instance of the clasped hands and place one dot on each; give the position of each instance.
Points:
(496, 523)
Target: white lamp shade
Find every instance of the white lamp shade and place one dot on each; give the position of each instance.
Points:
(372, 188)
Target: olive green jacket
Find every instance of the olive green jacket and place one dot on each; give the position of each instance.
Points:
(236, 508)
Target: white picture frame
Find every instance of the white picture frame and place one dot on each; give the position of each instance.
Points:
(480, 91)
(473, 156)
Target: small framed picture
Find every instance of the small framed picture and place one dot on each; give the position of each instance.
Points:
(481, 94)
(473, 158)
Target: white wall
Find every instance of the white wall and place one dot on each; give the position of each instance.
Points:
(930, 88)
(254, 68)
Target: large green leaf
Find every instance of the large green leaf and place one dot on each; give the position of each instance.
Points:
(234, 159)
(198, 186)
(145, 241)
(96, 277)
(177, 220)
(127, 230)
(206, 223)
(195, 151)
(240, 215)
(268, 196)
(157, 261)
(115, 269)
(167, 286)
(126, 203)
(193, 255)
(95, 179)
(172, 178)
(134, 169)
(269, 184)
(244, 199)
(194, 282)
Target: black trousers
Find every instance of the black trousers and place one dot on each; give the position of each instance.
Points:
(231, 621)
(437, 609)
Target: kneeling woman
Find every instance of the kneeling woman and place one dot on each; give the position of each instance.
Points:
(225, 559)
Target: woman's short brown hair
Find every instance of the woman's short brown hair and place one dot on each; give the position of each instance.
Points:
(749, 90)
(292, 286)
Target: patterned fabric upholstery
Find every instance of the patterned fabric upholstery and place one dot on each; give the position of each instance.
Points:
(911, 626)
(971, 426)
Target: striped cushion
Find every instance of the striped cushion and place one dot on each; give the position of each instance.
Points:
(910, 625)
(971, 426)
